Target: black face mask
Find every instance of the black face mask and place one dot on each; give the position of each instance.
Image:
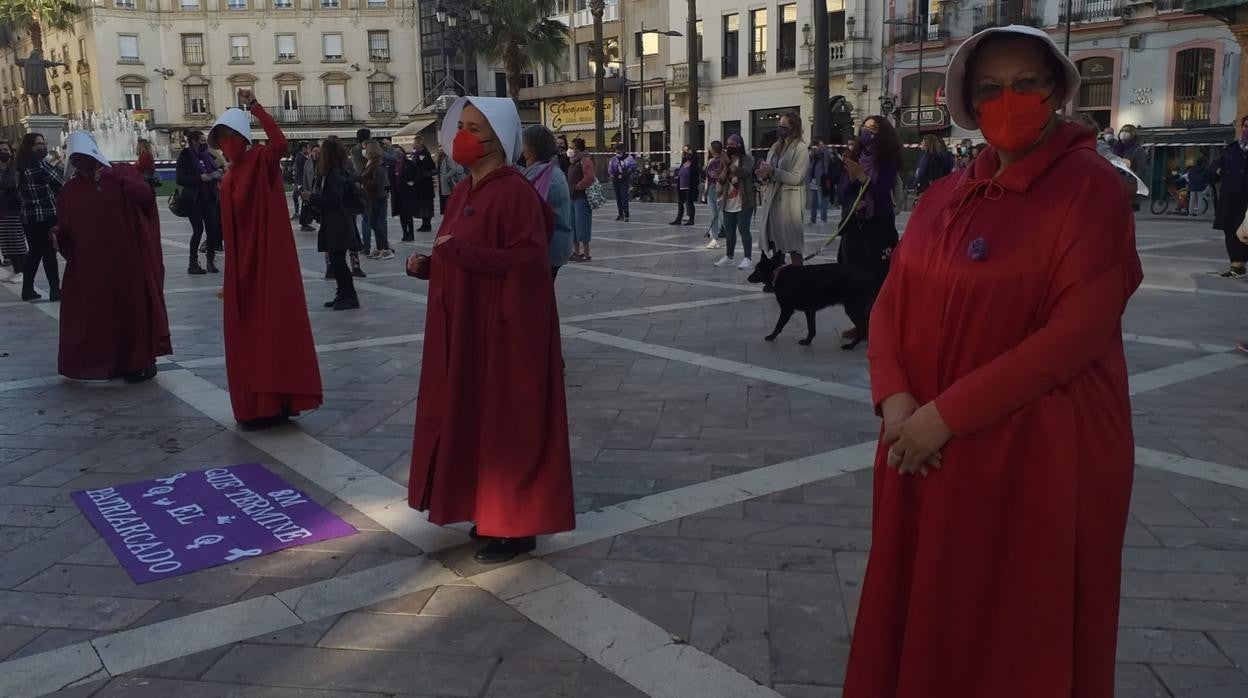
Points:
(5, 157)
(733, 150)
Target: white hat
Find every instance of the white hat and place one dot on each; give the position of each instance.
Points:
(234, 119)
(81, 143)
(499, 111)
(955, 77)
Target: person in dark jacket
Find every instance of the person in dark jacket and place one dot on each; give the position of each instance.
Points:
(299, 161)
(935, 162)
(565, 153)
(426, 171)
(198, 176)
(1231, 169)
(331, 196)
(402, 172)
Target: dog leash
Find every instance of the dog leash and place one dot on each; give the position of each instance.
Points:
(840, 229)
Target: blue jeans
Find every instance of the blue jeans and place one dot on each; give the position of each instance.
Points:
(582, 220)
(818, 203)
(738, 223)
(377, 220)
(712, 202)
(621, 197)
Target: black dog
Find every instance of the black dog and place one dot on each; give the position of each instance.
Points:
(811, 288)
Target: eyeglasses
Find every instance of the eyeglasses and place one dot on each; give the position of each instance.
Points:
(986, 91)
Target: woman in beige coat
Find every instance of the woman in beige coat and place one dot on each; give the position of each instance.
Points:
(782, 189)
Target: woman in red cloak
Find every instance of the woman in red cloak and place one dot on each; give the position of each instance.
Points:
(1004, 471)
(270, 360)
(491, 441)
(113, 318)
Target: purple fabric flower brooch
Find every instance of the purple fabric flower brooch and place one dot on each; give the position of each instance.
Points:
(977, 251)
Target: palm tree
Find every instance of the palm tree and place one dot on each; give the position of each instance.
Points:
(34, 16)
(520, 34)
(600, 58)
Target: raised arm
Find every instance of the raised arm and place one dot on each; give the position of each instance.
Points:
(277, 146)
(1095, 275)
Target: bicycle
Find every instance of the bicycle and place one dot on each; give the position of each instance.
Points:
(1180, 197)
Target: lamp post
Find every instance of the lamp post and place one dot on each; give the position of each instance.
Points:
(1068, 4)
(694, 59)
(920, 25)
(821, 116)
(641, 79)
(474, 17)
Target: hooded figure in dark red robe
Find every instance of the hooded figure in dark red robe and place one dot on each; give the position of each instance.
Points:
(1004, 471)
(491, 441)
(270, 359)
(113, 319)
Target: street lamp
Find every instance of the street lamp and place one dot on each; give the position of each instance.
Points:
(641, 79)
(473, 18)
(920, 24)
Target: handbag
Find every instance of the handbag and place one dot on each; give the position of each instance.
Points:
(176, 205)
(595, 195)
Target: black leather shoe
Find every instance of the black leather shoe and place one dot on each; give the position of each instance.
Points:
(54, 296)
(330, 304)
(212, 267)
(31, 295)
(196, 269)
(346, 304)
(500, 550)
(264, 422)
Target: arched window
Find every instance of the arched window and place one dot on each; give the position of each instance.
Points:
(1193, 86)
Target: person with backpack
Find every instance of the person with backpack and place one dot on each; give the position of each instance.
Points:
(542, 169)
(935, 162)
(333, 195)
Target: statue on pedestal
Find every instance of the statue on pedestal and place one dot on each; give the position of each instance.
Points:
(35, 79)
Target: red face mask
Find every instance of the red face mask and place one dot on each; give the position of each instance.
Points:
(467, 149)
(233, 147)
(1014, 121)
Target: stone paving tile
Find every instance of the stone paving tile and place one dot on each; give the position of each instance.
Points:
(1183, 610)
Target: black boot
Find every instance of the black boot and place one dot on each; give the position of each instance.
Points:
(212, 267)
(194, 268)
(500, 550)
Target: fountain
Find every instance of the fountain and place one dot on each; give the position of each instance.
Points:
(116, 133)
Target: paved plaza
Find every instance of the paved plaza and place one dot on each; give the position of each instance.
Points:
(723, 491)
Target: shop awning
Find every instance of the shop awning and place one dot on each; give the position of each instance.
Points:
(416, 127)
(1194, 135)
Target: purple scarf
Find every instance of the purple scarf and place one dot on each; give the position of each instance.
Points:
(207, 163)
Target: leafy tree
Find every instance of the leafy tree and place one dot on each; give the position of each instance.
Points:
(520, 34)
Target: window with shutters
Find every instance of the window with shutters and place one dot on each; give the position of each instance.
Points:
(336, 95)
(127, 48)
(381, 97)
(133, 97)
(286, 52)
(331, 47)
(240, 48)
(196, 99)
(379, 45)
(193, 49)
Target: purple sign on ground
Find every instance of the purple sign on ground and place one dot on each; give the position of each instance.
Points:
(194, 520)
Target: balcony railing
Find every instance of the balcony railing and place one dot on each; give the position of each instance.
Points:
(935, 28)
(758, 63)
(786, 59)
(585, 18)
(730, 67)
(1006, 12)
(836, 52)
(1092, 11)
(678, 76)
(320, 114)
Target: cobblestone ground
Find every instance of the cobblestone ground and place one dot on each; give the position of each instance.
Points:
(722, 485)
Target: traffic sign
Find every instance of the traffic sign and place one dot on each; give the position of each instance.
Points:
(928, 117)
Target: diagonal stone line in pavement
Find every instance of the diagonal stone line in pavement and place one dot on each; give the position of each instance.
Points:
(1197, 291)
(663, 277)
(130, 650)
(622, 641)
(1176, 343)
(1191, 467)
(791, 380)
(1184, 371)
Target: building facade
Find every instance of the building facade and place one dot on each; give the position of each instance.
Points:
(758, 63)
(1143, 62)
(564, 92)
(323, 67)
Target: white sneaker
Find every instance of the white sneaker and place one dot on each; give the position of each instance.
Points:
(713, 244)
(386, 254)
(745, 264)
(725, 261)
